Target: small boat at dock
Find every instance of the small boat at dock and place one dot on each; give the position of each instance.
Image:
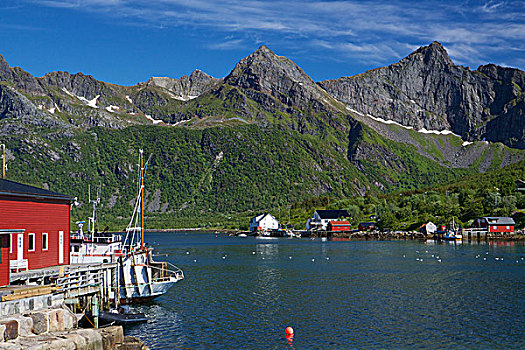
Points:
(452, 234)
(121, 316)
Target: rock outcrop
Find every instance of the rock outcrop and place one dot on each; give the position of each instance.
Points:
(427, 90)
(187, 87)
(264, 87)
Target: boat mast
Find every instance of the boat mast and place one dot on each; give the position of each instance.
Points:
(141, 201)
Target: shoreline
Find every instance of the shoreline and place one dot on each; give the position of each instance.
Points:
(361, 235)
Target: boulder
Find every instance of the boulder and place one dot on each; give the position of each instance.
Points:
(80, 341)
(52, 320)
(70, 320)
(132, 343)
(112, 336)
(93, 339)
(47, 342)
(11, 329)
(25, 325)
(40, 322)
(56, 320)
(11, 346)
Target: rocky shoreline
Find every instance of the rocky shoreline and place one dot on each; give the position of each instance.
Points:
(413, 235)
(53, 329)
(358, 235)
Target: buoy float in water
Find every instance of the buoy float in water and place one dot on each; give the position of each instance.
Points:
(289, 331)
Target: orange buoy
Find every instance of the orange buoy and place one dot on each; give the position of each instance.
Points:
(289, 331)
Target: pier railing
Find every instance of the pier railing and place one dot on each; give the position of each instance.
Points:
(83, 280)
(160, 271)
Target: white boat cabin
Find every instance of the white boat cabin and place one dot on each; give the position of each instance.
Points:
(96, 247)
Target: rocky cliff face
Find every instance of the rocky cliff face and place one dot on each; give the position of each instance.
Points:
(264, 87)
(278, 76)
(186, 88)
(86, 102)
(427, 90)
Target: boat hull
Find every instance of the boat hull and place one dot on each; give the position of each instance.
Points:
(142, 279)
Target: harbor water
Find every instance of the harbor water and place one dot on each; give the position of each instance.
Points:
(243, 292)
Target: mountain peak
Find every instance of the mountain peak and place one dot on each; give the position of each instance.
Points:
(264, 70)
(264, 49)
(435, 52)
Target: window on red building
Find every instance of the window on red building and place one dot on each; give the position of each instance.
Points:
(44, 241)
(31, 242)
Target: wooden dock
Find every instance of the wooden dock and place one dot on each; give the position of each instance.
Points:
(78, 283)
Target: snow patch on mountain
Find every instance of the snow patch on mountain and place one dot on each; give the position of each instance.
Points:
(91, 103)
(154, 121)
(112, 108)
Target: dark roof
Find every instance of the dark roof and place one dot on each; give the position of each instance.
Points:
(367, 223)
(499, 220)
(12, 188)
(332, 214)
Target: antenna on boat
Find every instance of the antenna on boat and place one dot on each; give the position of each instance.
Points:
(92, 219)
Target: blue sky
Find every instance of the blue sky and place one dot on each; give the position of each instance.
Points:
(126, 41)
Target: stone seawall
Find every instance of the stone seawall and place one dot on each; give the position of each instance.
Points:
(54, 329)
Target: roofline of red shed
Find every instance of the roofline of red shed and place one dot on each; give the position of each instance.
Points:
(37, 196)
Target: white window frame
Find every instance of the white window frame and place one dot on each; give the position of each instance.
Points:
(29, 235)
(11, 243)
(46, 235)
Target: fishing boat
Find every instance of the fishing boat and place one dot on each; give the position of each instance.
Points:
(453, 233)
(452, 236)
(141, 278)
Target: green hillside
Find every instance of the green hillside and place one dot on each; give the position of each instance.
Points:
(215, 176)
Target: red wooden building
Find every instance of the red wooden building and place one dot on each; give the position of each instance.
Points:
(495, 224)
(339, 226)
(37, 224)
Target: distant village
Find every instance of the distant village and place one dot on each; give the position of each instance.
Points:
(335, 223)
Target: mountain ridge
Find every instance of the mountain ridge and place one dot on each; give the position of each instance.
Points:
(427, 90)
(266, 128)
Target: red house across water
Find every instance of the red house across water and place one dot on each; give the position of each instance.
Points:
(339, 226)
(34, 228)
(495, 224)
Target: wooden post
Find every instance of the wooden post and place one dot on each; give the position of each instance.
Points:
(95, 310)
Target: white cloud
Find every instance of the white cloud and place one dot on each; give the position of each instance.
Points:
(491, 6)
(380, 31)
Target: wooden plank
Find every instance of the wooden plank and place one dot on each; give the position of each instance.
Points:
(30, 292)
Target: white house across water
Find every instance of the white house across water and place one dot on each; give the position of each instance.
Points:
(321, 218)
(263, 222)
